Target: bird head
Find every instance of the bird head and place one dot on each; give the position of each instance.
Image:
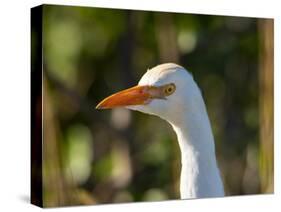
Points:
(166, 90)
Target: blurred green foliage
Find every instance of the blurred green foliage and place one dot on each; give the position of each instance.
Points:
(122, 156)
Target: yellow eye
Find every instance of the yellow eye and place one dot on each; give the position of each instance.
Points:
(169, 89)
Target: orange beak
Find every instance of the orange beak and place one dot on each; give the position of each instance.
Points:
(138, 95)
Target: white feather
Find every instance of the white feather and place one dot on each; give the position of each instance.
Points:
(185, 110)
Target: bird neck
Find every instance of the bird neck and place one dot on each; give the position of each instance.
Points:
(200, 175)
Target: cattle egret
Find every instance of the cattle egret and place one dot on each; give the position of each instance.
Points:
(169, 91)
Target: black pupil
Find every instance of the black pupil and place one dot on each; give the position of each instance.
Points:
(169, 89)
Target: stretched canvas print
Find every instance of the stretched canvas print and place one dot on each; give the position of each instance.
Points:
(131, 106)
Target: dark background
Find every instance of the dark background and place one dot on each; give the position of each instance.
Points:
(92, 156)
